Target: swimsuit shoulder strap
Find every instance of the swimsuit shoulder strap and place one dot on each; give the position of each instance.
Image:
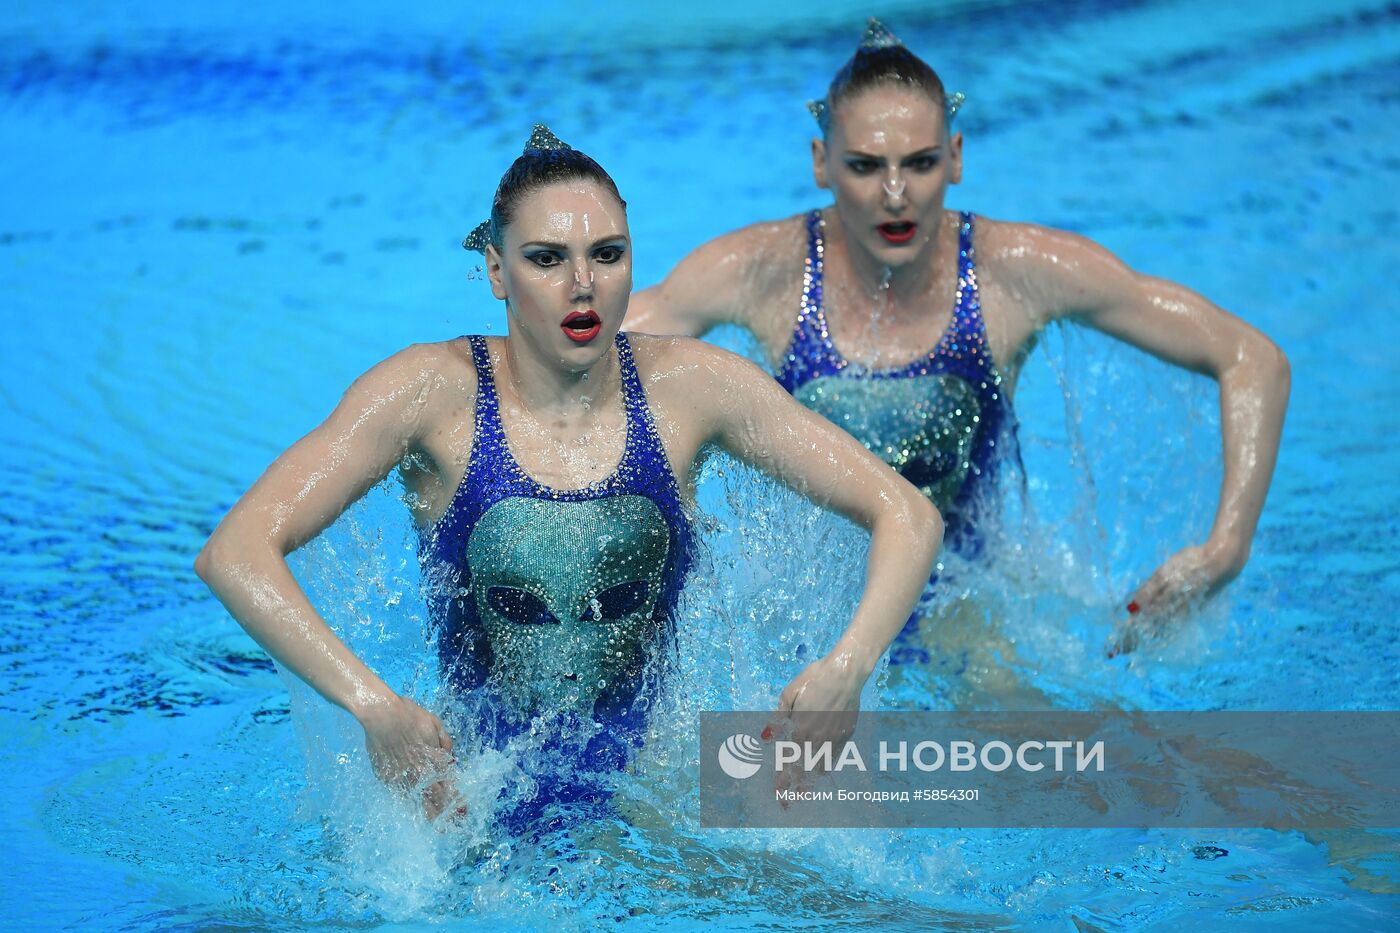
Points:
(634, 397)
(814, 238)
(489, 435)
(807, 346)
(487, 476)
(968, 312)
(645, 455)
(967, 260)
(812, 275)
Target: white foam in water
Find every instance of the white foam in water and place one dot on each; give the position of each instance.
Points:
(765, 599)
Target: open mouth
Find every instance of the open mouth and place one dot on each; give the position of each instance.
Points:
(899, 231)
(581, 326)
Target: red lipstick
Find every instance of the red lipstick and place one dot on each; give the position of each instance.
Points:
(900, 231)
(581, 326)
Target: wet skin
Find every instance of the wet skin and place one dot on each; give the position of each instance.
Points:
(564, 271)
(889, 159)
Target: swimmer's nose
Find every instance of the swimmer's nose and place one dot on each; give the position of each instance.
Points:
(583, 279)
(894, 187)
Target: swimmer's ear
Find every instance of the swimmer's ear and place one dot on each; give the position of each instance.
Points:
(494, 271)
(819, 162)
(955, 154)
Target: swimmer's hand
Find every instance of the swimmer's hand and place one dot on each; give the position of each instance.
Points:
(819, 706)
(409, 746)
(827, 696)
(1186, 580)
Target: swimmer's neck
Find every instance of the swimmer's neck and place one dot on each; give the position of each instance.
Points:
(549, 391)
(908, 285)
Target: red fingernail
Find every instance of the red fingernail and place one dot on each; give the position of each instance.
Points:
(1133, 607)
(767, 733)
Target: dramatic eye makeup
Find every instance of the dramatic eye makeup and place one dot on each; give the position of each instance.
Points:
(546, 255)
(925, 161)
(544, 258)
(609, 253)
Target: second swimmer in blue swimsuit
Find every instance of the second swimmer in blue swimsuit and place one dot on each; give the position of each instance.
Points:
(549, 473)
(912, 321)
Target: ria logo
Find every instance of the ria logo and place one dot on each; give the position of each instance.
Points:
(740, 756)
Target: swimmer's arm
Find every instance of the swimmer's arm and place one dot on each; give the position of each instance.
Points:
(1084, 282)
(710, 287)
(756, 421)
(301, 493)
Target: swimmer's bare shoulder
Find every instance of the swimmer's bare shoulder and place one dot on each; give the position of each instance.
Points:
(693, 386)
(775, 287)
(422, 382)
(742, 277)
(398, 410)
(1022, 268)
(1042, 263)
(434, 387)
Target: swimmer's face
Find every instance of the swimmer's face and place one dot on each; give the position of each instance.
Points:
(889, 160)
(565, 271)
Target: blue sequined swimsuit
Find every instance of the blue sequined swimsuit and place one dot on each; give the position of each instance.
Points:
(558, 601)
(942, 421)
(939, 420)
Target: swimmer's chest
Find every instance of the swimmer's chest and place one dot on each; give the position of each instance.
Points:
(925, 425)
(568, 595)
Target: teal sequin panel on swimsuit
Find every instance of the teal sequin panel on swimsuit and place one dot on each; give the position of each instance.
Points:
(942, 421)
(558, 601)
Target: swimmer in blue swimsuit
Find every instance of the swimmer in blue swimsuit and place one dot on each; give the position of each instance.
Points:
(549, 473)
(530, 623)
(942, 420)
(883, 267)
(939, 420)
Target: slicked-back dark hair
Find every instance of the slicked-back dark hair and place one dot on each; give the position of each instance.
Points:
(891, 66)
(537, 168)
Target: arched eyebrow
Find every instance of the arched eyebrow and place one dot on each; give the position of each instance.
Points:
(927, 151)
(614, 239)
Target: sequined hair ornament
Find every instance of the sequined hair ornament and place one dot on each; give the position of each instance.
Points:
(541, 139)
(479, 238)
(878, 36)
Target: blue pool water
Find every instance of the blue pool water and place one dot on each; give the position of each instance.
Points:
(213, 220)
